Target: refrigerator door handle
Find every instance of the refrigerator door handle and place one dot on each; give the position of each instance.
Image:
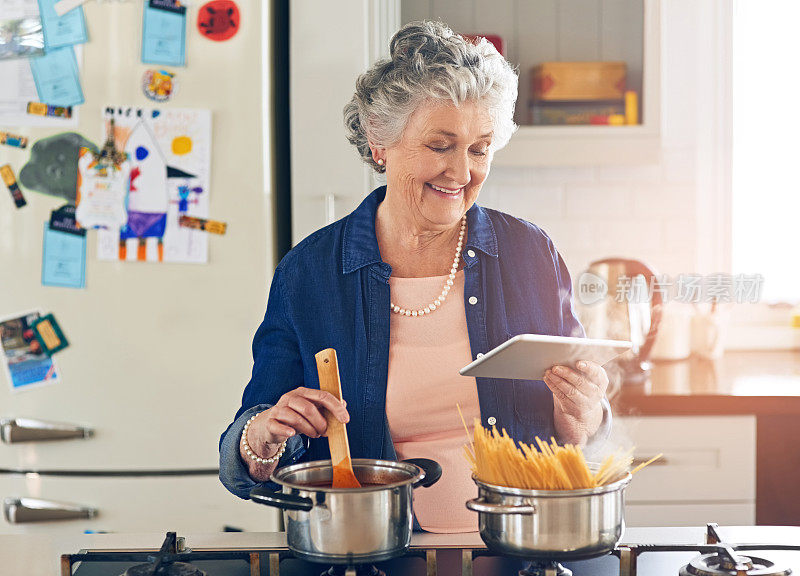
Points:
(14, 430)
(22, 510)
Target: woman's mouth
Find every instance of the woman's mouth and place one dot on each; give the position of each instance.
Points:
(450, 192)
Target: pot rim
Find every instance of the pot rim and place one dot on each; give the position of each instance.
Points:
(416, 471)
(528, 493)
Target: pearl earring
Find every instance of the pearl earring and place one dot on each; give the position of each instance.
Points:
(380, 161)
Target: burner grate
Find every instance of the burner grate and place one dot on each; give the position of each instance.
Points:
(172, 552)
(712, 558)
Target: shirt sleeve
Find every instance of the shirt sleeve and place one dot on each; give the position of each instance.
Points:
(277, 369)
(233, 472)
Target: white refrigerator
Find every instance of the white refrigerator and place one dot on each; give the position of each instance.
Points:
(159, 352)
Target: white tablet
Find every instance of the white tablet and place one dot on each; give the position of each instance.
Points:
(529, 356)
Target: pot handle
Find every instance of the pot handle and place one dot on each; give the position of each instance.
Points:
(267, 497)
(431, 471)
(481, 505)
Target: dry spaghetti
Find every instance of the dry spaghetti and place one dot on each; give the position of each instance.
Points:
(497, 459)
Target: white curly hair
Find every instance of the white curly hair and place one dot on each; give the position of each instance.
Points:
(429, 62)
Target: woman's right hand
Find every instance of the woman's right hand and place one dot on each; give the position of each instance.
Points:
(299, 411)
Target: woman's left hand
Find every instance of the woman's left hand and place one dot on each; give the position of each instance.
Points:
(576, 399)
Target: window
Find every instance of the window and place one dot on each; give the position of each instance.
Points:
(766, 151)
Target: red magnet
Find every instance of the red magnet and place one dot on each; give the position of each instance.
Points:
(218, 20)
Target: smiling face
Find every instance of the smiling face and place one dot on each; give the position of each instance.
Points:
(436, 170)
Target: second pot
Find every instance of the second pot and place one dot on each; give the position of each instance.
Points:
(551, 524)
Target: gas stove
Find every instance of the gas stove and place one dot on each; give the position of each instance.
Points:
(709, 551)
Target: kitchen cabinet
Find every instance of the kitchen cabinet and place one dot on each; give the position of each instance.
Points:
(568, 30)
(707, 472)
(761, 385)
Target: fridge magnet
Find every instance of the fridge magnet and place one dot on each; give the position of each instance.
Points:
(218, 20)
(11, 183)
(61, 30)
(25, 362)
(22, 36)
(63, 259)
(57, 79)
(49, 334)
(63, 220)
(164, 33)
(13, 140)
(213, 226)
(40, 109)
(159, 85)
(52, 168)
(170, 155)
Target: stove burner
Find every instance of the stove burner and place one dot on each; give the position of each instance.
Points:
(165, 569)
(545, 568)
(722, 565)
(357, 570)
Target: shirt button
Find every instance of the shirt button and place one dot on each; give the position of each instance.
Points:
(479, 354)
(473, 300)
(471, 253)
(491, 420)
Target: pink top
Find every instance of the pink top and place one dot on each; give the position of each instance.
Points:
(424, 387)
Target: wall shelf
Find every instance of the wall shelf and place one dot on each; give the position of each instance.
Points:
(581, 146)
(567, 145)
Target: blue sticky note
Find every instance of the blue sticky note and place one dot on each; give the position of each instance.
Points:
(63, 259)
(163, 36)
(63, 30)
(56, 77)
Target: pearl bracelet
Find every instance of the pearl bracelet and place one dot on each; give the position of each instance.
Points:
(252, 455)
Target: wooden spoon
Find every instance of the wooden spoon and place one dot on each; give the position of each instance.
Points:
(328, 370)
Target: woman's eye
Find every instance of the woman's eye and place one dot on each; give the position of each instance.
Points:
(479, 152)
(438, 148)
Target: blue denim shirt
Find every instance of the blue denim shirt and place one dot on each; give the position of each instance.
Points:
(332, 291)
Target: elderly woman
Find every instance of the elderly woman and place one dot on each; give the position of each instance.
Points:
(414, 284)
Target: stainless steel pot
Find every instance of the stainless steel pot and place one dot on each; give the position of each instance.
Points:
(349, 525)
(551, 524)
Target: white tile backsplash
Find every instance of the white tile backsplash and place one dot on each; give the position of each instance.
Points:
(644, 212)
(663, 200)
(630, 174)
(560, 175)
(541, 202)
(679, 165)
(599, 201)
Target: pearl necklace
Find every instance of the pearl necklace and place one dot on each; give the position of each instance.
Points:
(447, 285)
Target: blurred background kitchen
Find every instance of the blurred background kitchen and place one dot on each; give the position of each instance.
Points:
(654, 146)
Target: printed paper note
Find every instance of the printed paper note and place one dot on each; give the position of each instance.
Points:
(63, 259)
(26, 364)
(56, 77)
(63, 30)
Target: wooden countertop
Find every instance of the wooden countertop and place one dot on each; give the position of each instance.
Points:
(758, 383)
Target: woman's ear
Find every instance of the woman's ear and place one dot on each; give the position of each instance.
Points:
(378, 153)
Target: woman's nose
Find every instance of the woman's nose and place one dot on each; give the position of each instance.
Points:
(458, 168)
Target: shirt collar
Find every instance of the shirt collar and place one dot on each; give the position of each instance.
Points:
(360, 245)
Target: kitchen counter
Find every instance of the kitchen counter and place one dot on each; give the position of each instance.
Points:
(764, 384)
(759, 383)
(39, 555)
